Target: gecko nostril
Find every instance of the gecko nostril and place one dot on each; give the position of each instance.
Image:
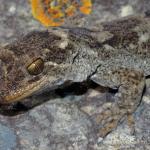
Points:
(36, 67)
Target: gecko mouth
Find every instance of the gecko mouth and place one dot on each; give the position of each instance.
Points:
(24, 92)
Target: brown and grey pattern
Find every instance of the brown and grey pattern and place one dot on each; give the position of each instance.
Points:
(78, 55)
(16, 20)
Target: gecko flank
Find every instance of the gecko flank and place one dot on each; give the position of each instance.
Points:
(115, 56)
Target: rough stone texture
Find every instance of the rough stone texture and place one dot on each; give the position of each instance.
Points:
(59, 123)
(53, 126)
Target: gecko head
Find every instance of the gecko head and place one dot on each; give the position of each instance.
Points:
(36, 60)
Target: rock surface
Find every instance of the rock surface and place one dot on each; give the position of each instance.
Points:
(59, 123)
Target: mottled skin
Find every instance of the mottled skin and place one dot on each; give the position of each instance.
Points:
(117, 55)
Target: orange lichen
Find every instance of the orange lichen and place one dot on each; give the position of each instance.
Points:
(54, 12)
(86, 7)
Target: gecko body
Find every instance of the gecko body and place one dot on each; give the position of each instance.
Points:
(117, 55)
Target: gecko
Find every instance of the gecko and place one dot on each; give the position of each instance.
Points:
(114, 55)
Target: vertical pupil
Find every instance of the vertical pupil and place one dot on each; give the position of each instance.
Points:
(36, 67)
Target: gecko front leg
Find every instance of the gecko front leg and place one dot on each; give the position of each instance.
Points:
(130, 84)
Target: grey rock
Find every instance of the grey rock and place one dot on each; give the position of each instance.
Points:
(60, 124)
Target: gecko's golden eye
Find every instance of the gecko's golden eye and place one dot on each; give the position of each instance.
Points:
(36, 67)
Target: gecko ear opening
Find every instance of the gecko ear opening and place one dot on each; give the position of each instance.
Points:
(36, 67)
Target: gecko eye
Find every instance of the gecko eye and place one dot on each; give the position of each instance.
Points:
(36, 67)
